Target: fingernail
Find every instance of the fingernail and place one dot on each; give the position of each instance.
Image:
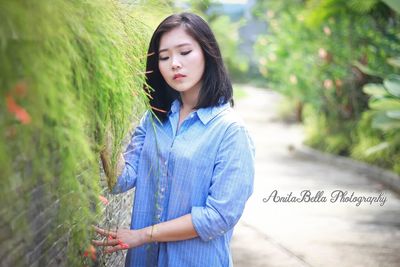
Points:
(123, 245)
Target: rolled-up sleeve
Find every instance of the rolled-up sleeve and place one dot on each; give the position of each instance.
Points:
(231, 185)
(127, 179)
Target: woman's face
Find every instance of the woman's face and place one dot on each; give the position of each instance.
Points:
(181, 61)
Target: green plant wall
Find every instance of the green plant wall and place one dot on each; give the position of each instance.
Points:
(69, 71)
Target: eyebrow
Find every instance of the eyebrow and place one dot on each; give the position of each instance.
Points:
(165, 49)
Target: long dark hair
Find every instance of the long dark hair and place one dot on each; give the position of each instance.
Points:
(216, 85)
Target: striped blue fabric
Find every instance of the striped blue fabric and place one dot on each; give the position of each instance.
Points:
(206, 168)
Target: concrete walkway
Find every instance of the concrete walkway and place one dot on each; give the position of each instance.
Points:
(326, 234)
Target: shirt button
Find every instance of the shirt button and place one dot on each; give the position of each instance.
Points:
(210, 238)
(166, 162)
(162, 189)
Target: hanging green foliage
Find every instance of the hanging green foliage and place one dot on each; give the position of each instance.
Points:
(69, 72)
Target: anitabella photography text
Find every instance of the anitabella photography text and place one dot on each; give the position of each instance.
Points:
(336, 196)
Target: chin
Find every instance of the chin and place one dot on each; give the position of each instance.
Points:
(181, 89)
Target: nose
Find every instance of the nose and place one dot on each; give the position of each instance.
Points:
(175, 64)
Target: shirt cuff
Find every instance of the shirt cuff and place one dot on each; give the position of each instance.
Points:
(206, 227)
(122, 184)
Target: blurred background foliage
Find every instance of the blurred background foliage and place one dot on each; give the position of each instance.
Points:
(226, 30)
(321, 54)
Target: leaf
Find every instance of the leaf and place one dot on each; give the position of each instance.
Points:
(366, 69)
(377, 148)
(394, 61)
(392, 84)
(385, 104)
(394, 4)
(383, 122)
(362, 7)
(375, 89)
(394, 114)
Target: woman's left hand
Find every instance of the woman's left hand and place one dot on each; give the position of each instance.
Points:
(120, 239)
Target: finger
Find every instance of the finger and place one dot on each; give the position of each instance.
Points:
(112, 249)
(104, 232)
(121, 246)
(107, 242)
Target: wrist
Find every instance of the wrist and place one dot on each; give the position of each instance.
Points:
(146, 235)
(150, 233)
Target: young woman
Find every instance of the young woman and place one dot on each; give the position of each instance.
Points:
(191, 159)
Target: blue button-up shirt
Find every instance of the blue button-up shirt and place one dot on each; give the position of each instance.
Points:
(205, 168)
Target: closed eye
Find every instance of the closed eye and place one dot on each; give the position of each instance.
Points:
(182, 53)
(186, 52)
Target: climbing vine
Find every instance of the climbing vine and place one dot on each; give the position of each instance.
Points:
(69, 71)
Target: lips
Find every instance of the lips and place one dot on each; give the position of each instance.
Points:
(178, 75)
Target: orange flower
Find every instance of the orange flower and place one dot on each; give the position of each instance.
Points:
(90, 252)
(327, 31)
(18, 111)
(322, 53)
(325, 55)
(328, 84)
(103, 199)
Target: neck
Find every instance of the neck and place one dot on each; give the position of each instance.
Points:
(189, 100)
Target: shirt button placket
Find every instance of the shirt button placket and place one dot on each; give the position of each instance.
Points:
(162, 191)
(165, 173)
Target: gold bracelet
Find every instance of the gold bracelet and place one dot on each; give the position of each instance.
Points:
(152, 230)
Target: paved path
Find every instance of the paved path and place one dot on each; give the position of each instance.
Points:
(308, 233)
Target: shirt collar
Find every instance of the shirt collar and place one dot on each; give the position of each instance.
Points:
(175, 106)
(204, 114)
